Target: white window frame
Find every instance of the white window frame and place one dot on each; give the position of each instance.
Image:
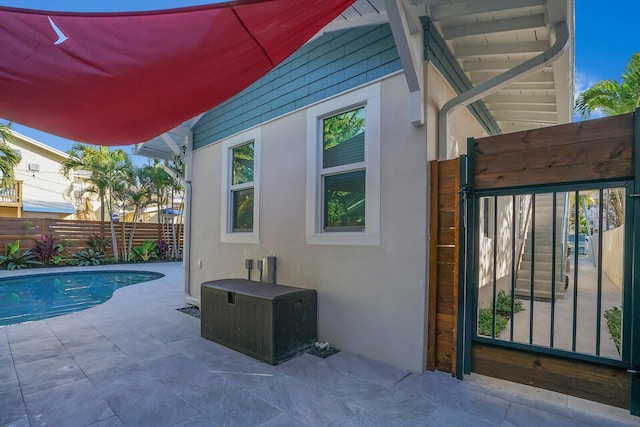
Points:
(227, 235)
(369, 97)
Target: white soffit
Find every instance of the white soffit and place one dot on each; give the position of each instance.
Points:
(489, 37)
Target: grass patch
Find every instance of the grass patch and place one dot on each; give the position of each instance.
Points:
(614, 322)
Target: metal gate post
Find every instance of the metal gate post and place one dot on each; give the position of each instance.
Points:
(462, 244)
(634, 202)
(467, 293)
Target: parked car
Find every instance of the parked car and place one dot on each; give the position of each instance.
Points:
(583, 240)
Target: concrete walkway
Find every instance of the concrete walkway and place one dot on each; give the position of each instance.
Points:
(136, 361)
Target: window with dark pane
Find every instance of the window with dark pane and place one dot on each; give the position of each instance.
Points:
(242, 210)
(242, 188)
(343, 138)
(343, 171)
(242, 164)
(345, 201)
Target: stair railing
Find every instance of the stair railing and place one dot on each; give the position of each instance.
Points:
(525, 228)
(565, 222)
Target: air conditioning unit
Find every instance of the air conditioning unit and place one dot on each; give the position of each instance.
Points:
(33, 167)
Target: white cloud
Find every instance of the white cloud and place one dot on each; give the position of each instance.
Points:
(581, 83)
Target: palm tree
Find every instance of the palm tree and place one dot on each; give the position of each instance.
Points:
(109, 170)
(138, 195)
(611, 96)
(159, 183)
(9, 158)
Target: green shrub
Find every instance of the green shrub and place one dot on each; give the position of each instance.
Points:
(99, 243)
(88, 257)
(148, 250)
(503, 304)
(485, 322)
(13, 259)
(614, 322)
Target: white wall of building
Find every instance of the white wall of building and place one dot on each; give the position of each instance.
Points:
(371, 298)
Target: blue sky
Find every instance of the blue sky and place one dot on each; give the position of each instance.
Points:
(606, 36)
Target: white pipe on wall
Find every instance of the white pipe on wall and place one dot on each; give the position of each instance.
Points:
(186, 252)
(518, 72)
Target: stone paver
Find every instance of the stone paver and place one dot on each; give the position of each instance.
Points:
(136, 361)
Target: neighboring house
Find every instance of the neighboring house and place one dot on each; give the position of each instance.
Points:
(40, 190)
(324, 162)
(169, 215)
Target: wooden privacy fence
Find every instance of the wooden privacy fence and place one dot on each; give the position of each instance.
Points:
(444, 262)
(74, 235)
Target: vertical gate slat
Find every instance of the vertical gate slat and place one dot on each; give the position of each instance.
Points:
(443, 266)
(433, 260)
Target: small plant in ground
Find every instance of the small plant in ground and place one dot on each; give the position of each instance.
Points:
(485, 322)
(163, 249)
(88, 257)
(145, 252)
(614, 322)
(99, 243)
(13, 259)
(503, 304)
(47, 250)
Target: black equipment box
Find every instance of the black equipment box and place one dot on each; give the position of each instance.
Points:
(272, 323)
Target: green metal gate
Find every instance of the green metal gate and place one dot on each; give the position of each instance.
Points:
(550, 286)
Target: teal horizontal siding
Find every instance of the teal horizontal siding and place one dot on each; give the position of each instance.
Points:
(327, 66)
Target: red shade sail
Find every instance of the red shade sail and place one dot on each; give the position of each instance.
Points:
(118, 79)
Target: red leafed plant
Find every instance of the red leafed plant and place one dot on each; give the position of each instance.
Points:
(47, 250)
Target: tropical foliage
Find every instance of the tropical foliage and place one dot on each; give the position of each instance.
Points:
(126, 190)
(88, 257)
(110, 171)
(13, 259)
(163, 249)
(613, 97)
(47, 250)
(147, 251)
(99, 243)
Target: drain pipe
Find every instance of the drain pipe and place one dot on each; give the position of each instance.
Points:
(186, 251)
(492, 85)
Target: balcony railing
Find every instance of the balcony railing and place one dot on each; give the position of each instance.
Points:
(11, 196)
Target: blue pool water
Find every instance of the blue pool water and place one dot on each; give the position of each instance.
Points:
(40, 296)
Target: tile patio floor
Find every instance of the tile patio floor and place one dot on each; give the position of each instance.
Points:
(136, 361)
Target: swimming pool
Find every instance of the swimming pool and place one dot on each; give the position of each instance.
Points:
(40, 296)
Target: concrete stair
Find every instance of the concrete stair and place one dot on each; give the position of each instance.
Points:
(542, 257)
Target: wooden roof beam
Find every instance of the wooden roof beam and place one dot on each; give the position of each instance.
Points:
(408, 36)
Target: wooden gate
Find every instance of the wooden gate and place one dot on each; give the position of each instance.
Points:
(520, 282)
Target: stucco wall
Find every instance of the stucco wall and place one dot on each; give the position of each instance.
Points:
(612, 254)
(371, 299)
(463, 123)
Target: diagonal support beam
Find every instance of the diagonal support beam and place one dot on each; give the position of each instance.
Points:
(408, 36)
(173, 146)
